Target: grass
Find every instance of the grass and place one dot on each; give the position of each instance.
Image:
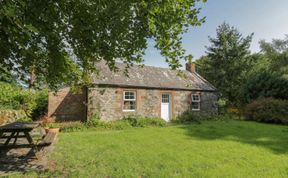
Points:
(210, 149)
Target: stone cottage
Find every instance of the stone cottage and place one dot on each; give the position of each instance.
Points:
(147, 91)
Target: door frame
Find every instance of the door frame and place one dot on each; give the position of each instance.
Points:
(170, 104)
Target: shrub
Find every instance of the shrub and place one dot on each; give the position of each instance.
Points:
(267, 110)
(9, 96)
(222, 105)
(114, 125)
(94, 121)
(140, 121)
(14, 97)
(125, 123)
(41, 101)
(154, 121)
(72, 127)
(265, 84)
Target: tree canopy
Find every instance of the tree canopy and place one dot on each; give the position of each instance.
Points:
(226, 62)
(269, 77)
(61, 40)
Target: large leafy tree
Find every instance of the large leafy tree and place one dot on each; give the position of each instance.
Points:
(61, 40)
(6, 76)
(269, 77)
(226, 63)
(277, 54)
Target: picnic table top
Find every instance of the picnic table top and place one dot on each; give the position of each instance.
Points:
(20, 126)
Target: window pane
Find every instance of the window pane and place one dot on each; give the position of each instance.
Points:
(165, 98)
(129, 95)
(195, 97)
(195, 105)
(129, 105)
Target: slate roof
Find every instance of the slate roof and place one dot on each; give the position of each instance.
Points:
(150, 77)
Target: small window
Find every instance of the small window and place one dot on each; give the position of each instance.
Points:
(129, 101)
(195, 102)
(165, 98)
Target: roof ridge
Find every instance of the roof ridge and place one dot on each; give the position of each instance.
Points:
(144, 65)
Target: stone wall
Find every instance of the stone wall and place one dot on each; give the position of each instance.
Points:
(66, 105)
(8, 116)
(108, 102)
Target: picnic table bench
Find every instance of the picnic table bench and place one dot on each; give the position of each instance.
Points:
(22, 130)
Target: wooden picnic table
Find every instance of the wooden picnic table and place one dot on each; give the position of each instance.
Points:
(17, 130)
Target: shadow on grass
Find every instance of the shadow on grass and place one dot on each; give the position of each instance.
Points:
(273, 137)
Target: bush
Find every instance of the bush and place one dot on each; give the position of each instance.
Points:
(94, 121)
(9, 96)
(114, 125)
(72, 127)
(267, 110)
(14, 97)
(41, 104)
(264, 84)
(140, 121)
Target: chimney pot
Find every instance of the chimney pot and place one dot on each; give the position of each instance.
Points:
(191, 67)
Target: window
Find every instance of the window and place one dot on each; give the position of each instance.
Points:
(165, 98)
(195, 102)
(129, 101)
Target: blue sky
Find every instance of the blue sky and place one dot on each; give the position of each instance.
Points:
(268, 19)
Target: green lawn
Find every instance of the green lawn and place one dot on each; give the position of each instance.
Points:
(211, 149)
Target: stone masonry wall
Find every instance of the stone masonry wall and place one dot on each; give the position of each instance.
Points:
(108, 102)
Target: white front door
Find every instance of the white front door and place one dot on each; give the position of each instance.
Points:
(166, 107)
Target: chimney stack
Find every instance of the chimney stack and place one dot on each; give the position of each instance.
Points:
(191, 67)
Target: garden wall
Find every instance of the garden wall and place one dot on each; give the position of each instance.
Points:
(8, 116)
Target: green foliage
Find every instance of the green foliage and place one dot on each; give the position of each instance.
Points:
(88, 32)
(52, 125)
(265, 83)
(125, 123)
(140, 121)
(268, 110)
(41, 100)
(222, 106)
(25, 119)
(276, 46)
(6, 76)
(94, 121)
(33, 103)
(9, 96)
(227, 62)
(269, 77)
(72, 127)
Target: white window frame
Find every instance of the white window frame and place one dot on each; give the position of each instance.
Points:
(196, 101)
(135, 94)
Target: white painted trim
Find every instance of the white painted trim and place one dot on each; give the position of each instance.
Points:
(125, 110)
(135, 94)
(196, 101)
